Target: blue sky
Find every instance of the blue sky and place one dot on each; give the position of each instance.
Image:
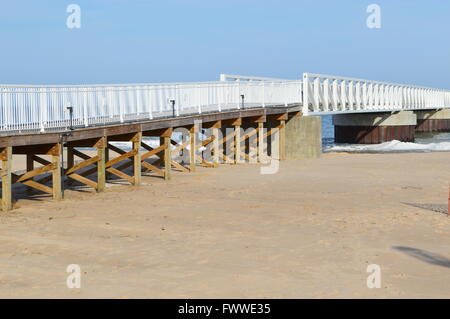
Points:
(174, 40)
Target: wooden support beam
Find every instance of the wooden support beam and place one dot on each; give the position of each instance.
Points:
(83, 164)
(120, 158)
(39, 186)
(237, 144)
(260, 152)
(30, 167)
(33, 173)
(56, 174)
(180, 167)
(167, 157)
(152, 151)
(101, 168)
(151, 167)
(137, 140)
(107, 174)
(83, 180)
(40, 160)
(6, 157)
(117, 172)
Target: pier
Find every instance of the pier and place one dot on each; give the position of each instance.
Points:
(238, 119)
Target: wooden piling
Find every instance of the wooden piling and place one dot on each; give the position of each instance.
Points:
(260, 150)
(167, 157)
(193, 147)
(237, 144)
(56, 172)
(137, 139)
(101, 168)
(6, 157)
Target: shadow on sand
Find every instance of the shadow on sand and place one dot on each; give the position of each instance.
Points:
(437, 208)
(425, 256)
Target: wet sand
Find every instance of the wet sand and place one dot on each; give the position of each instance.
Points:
(309, 231)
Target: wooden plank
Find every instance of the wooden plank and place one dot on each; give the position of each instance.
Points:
(207, 164)
(91, 142)
(6, 155)
(30, 166)
(150, 167)
(237, 144)
(33, 173)
(56, 175)
(116, 149)
(216, 146)
(70, 161)
(80, 155)
(260, 150)
(120, 158)
(118, 173)
(193, 147)
(180, 167)
(39, 186)
(137, 159)
(207, 141)
(44, 149)
(248, 135)
(180, 147)
(152, 151)
(83, 180)
(167, 157)
(38, 159)
(83, 164)
(101, 173)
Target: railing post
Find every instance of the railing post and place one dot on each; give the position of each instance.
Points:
(85, 106)
(263, 94)
(305, 108)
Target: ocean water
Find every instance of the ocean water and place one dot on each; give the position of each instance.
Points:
(425, 142)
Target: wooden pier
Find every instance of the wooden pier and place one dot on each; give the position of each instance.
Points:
(52, 174)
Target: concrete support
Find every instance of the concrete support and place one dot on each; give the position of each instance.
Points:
(282, 141)
(303, 137)
(433, 121)
(374, 128)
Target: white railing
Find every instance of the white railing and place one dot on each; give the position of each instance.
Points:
(234, 77)
(43, 108)
(331, 94)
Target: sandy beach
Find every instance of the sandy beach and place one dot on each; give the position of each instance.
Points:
(309, 231)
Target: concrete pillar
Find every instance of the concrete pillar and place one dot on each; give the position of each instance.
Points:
(303, 137)
(374, 128)
(433, 121)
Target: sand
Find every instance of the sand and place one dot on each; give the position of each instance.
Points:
(309, 231)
